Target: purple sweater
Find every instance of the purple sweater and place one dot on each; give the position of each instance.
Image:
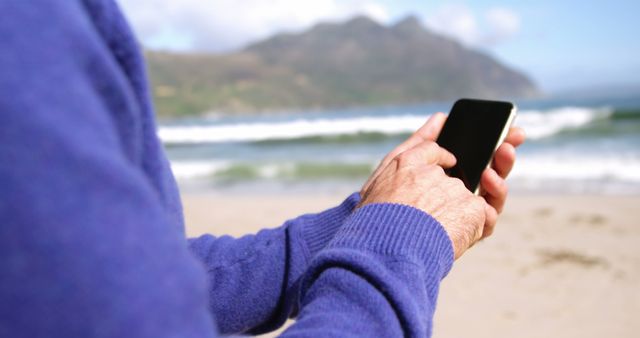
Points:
(92, 238)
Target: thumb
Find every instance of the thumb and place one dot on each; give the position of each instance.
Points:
(431, 129)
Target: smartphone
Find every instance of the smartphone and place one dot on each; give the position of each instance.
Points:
(473, 131)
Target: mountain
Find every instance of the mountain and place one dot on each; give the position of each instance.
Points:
(355, 63)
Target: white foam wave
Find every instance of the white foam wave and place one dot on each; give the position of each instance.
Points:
(251, 132)
(563, 167)
(540, 124)
(188, 170)
(537, 124)
(197, 169)
(529, 168)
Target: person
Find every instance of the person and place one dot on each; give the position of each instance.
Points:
(92, 239)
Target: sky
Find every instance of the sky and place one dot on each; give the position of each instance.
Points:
(562, 45)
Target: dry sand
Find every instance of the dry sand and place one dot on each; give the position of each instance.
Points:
(557, 266)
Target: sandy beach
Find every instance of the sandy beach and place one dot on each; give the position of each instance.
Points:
(558, 265)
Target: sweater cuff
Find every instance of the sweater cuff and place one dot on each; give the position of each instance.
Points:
(322, 227)
(398, 230)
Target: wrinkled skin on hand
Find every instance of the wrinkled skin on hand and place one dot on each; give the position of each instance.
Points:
(413, 174)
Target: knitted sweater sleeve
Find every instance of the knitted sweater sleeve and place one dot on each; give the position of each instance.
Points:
(253, 280)
(378, 277)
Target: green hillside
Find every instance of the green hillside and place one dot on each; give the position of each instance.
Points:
(355, 63)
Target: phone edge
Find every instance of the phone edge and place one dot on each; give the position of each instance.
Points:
(503, 136)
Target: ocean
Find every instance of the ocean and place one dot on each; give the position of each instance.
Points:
(575, 146)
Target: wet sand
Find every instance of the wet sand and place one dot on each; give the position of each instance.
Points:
(557, 266)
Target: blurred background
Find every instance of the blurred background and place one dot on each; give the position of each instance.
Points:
(287, 106)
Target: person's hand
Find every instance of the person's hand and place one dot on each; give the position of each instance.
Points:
(492, 183)
(428, 132)
(416, 178)
(494, 189)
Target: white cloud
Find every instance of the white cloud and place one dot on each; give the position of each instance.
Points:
(496, 26)
(219, 25)
(456, 21)
(375, 11)
(503, 23)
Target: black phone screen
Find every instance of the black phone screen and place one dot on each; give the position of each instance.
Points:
(471, 133)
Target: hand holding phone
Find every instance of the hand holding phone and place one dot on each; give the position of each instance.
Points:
(473, 132)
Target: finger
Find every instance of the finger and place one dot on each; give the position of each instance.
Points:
(427, 132)
(495, 189)
(431, 129)
(490, 221)
(504, 159)
(446, 159)
(516, 136)
(431, 153)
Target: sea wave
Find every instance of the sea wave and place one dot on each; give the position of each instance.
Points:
(184, 170)
(541, 124)
(295, 129)
(623, 168)
(537, 124)
(243, 171)
(535, 168)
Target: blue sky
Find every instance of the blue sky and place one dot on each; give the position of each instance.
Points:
(560, 44)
